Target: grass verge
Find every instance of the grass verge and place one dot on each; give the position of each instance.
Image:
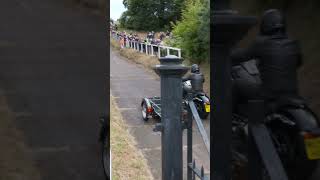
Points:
(127, 161)
(15, 159)
(148, 62)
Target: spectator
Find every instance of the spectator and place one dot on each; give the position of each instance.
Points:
(168, 33)
(121, 42)
(162, 36)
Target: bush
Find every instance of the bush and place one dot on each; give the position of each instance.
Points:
(191, 34)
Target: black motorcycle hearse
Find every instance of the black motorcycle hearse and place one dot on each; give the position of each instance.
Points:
(151, 107)
(292, 125)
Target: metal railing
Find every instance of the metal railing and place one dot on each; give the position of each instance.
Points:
(172, 124)
(151, 49)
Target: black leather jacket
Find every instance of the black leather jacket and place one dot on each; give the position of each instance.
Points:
(197, 80)
(278, 60)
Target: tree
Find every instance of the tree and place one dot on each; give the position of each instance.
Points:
(150, 14)
(192, 32)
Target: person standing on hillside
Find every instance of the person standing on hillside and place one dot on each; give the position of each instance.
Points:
(122, 42)
(162, 36)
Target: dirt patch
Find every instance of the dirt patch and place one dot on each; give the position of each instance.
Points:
(15, 160)
(147, 62)
(127, 161)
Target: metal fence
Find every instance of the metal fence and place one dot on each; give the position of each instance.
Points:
(151, 49)
(172, 126)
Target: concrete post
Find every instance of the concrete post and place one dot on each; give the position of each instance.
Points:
(171, 71)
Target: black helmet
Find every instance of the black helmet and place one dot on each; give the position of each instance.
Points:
(272, 22)
(195, 68)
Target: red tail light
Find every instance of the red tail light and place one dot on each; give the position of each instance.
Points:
(308, 135)
(149, 109)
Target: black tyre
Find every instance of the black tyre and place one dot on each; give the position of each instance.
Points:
(105, 146)
(144, 111)
(201, 109)
(285, 139)
(105, 159)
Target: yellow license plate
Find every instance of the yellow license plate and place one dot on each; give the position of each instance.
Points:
(207, 106)
(313, 148)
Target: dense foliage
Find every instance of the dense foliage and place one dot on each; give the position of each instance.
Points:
(192, 32)
(149, 15)
(189, 20)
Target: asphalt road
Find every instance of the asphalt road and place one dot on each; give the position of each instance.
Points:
(53, 68)
(129, 84)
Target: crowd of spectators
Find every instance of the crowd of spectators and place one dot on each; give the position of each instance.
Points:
(150, 38)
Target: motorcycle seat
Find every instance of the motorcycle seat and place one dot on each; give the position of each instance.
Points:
(293, 101)
(296, 101)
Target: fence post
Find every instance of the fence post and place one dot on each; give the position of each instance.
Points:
(189, 147)
(262, 146)
(170, 71)
(179, 53)
(146, 49)
(168, 51)
(228, 28)
(142, 44)
(159, 51)
(152, 50)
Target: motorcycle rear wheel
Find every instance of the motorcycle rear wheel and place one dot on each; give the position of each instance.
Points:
(201, 110)
(105, 157)
(285, 140)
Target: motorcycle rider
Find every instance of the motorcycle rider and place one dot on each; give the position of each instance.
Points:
(196, 78)
(277, 56)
